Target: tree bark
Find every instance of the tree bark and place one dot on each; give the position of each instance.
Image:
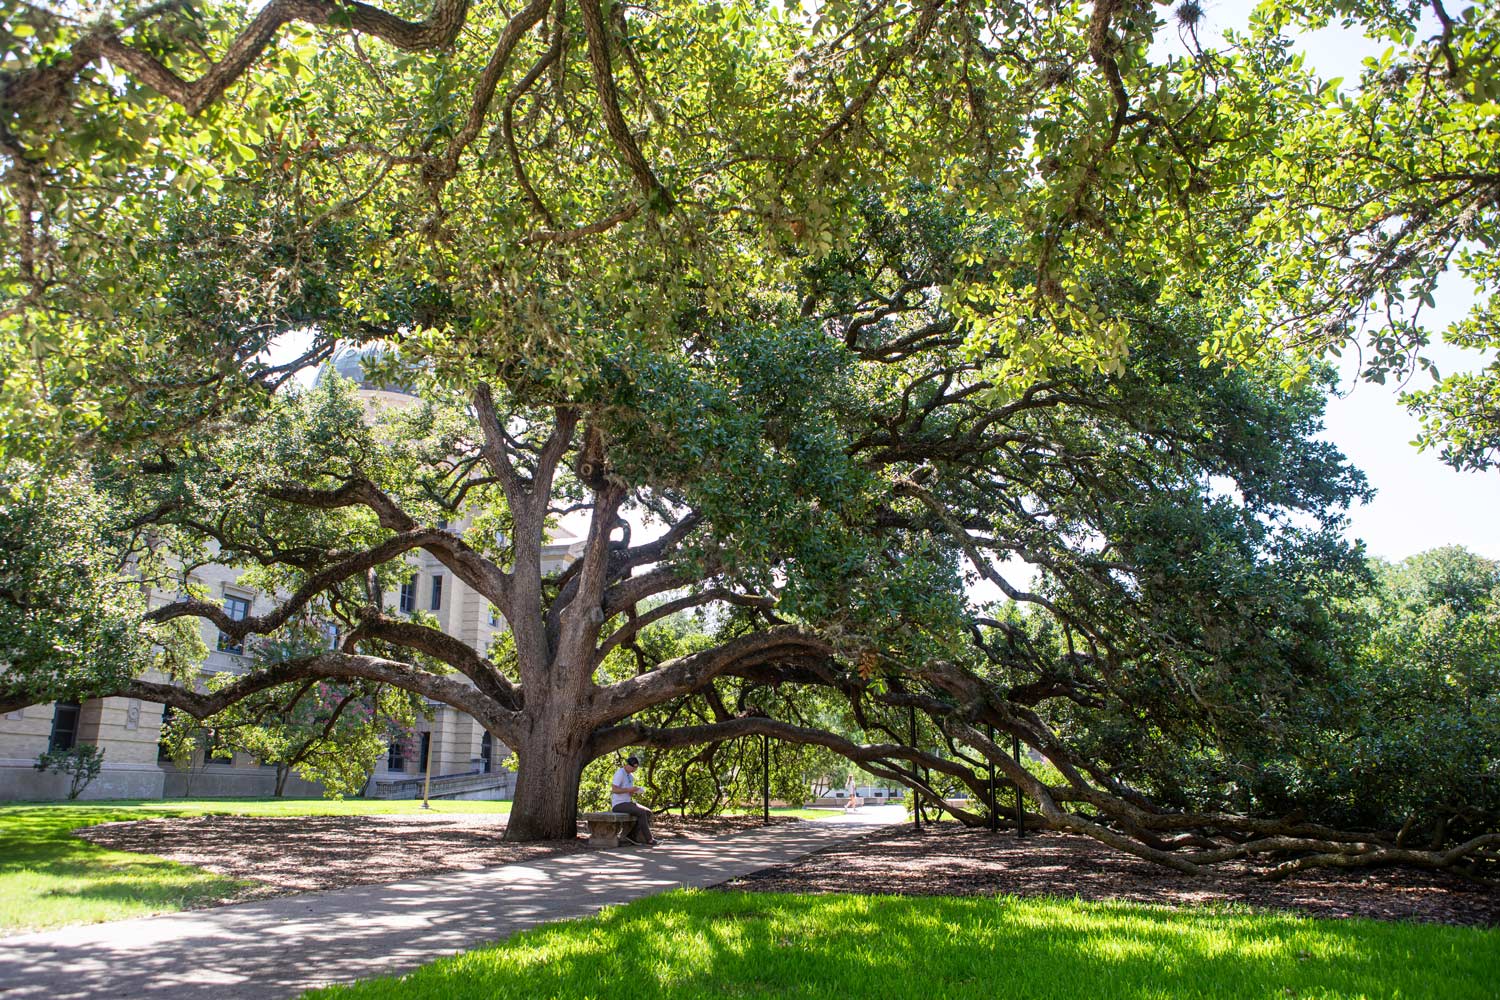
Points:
(550, 757)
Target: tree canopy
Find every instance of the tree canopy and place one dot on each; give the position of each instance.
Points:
(495, 177)
(859, 305)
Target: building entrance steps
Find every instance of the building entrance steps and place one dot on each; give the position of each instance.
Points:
(276, 948)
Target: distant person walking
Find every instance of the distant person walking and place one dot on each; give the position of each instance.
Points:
(622, 791)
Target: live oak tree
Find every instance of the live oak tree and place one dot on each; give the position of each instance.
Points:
(852, 308)
(1429, 681)
(828, 492)
(1397, 731)
(829, 479)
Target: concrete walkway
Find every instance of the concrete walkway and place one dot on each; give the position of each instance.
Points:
(278, 947)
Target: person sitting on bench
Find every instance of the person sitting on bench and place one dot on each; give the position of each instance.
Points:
(622, 800)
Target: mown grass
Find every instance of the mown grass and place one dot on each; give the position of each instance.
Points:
(794, 811)
(691, 945)
(50, 878)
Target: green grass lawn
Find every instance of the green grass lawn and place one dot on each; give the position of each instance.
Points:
(49, 878)
(688, 945)
(793, 811)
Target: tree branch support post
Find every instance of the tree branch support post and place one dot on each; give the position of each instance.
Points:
(994, 799)
(916, 775)
(427, 770)
(765, 778)
(1015, 746)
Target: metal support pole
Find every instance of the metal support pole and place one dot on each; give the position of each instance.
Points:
(427, 780)
(994, 801)
(765, 777)
(916, 798)
(1020, 809)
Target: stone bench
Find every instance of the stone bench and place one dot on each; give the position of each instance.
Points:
(607, 829)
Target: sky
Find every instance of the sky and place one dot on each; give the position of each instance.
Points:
(1420, 502)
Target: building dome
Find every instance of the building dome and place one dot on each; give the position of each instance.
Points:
(350, 360)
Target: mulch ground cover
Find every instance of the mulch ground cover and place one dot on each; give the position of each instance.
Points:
(304, 853)
(280, 855)
(949, 860)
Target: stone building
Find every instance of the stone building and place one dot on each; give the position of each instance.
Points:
(465, 762)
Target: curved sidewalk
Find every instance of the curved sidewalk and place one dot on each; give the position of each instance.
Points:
(278, 947)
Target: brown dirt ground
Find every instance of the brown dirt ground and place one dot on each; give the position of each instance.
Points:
(280, 855)
(949, 860)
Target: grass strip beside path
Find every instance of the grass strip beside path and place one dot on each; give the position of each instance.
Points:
(691, 945)
(50, 878)
(793, 811)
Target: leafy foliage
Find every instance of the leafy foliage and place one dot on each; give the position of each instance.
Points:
(328, 734)
(81, 762)
(1392, 727)
(488, 184)
(71, 594)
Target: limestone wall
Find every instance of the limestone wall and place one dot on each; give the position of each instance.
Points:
(126, 729)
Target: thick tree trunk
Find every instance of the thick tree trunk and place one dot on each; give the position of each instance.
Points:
(550, 763)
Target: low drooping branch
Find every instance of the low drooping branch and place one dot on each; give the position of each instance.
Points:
(316, 584)
(1378, 854)
(446, 648)
(1188, 842)
(332, 666)
(688, 673)
(637, 734)
(633, 626)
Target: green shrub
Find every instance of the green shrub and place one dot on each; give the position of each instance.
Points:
(81, 763)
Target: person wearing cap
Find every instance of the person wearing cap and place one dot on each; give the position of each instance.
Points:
(622, 792)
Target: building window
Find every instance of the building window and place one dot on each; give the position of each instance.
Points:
(437, 592)
(162, 756)
(487, 752)
(394, 759)
(409, 595)
(442, 524)
(237, 608)
(214, 747)
(494, 617)
(64, 726)
(426, 747)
